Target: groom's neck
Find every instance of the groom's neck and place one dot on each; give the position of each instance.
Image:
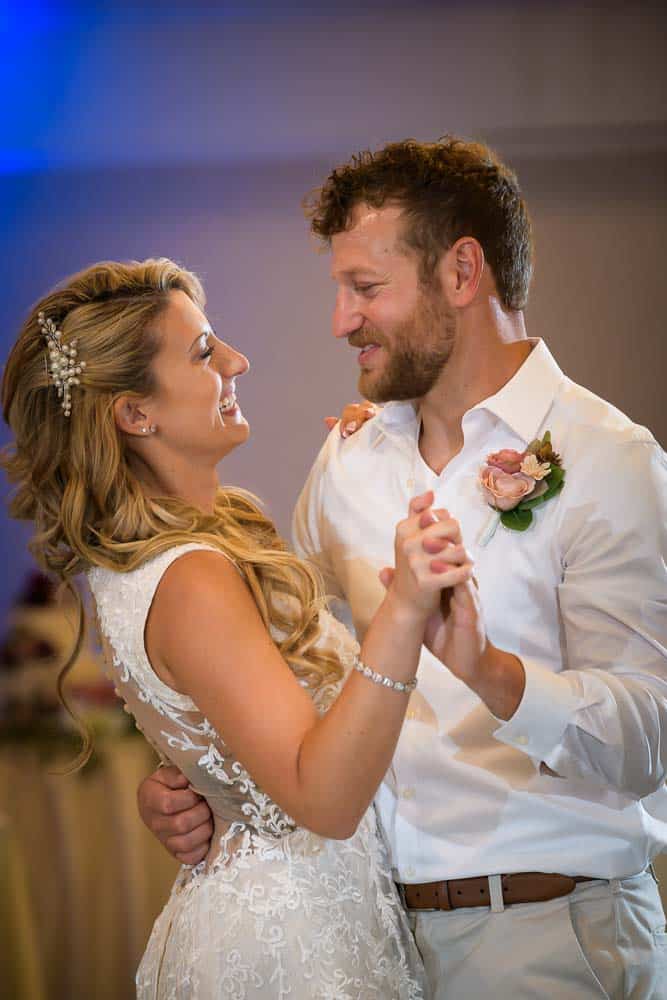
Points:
(490, 347)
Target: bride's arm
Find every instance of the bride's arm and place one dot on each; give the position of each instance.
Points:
(205, 633)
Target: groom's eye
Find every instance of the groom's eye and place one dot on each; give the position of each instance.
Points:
(365, 289)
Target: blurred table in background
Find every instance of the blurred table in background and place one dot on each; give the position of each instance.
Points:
(85, 879)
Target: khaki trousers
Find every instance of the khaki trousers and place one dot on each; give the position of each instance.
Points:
(606, 939)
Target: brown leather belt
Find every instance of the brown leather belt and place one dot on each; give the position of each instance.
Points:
(523, 887)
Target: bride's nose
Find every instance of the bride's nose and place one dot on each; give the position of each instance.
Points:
(232, 363)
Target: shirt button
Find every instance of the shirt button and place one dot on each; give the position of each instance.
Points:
(408, 792)
(521, 740)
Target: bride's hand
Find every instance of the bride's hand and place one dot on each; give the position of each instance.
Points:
(429, 558)
(352, 418)
(455, 631)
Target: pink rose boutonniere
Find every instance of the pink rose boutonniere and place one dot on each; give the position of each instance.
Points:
(514, 482)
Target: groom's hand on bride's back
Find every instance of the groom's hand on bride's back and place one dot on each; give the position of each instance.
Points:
(352, 418)
(179, 818)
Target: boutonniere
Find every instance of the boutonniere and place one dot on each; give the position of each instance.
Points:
(514, 482)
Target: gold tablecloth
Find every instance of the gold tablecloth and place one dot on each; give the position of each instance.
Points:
(84, 879)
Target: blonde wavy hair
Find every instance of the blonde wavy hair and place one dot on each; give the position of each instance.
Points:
(72, 478)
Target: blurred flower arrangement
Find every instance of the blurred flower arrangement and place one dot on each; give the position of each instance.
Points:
(39, 634)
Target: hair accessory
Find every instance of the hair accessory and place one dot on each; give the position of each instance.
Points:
(373, 675)
(62, 367)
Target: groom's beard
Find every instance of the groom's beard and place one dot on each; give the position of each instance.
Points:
(415, 355)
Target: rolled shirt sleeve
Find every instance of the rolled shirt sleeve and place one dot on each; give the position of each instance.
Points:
(603, 718)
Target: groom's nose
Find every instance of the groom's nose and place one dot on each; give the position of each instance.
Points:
(346, 316)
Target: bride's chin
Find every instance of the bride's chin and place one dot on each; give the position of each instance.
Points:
(242, 430)
(234, 437)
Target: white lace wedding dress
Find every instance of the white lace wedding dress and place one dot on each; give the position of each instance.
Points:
(275, 911)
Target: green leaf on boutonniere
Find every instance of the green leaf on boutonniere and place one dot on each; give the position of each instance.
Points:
(555, 482)
(517, 519)
(529, 504)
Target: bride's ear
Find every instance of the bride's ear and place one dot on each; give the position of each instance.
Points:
(131, 415)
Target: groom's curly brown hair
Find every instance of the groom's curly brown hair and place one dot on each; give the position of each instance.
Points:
(448, 189)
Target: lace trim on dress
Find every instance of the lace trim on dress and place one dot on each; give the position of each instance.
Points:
(123, 607)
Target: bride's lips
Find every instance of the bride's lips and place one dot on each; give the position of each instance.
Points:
(228, 405)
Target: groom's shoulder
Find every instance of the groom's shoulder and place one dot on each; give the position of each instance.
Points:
(332, 483)
(595, 418)
(342, 467)
(347, 454)
(586, 426)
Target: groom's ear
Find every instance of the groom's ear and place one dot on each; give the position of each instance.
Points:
(460, 271)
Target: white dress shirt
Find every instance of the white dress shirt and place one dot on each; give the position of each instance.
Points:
(580, 597)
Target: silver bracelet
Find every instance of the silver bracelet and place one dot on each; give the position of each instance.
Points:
(373, 675)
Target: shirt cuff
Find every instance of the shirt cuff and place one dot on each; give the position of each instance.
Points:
(544, 713)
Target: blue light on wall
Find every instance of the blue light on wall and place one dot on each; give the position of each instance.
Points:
(39, 41)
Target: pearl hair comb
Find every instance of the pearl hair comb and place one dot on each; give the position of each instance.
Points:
(62, 365)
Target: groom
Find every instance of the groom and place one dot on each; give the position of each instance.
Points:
(527, 798)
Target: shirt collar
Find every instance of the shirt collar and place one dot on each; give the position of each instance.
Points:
(522, 403)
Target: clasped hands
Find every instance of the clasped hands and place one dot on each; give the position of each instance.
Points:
(432, 579)
(431, 558)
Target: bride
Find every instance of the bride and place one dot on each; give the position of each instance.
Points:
(122, 401)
